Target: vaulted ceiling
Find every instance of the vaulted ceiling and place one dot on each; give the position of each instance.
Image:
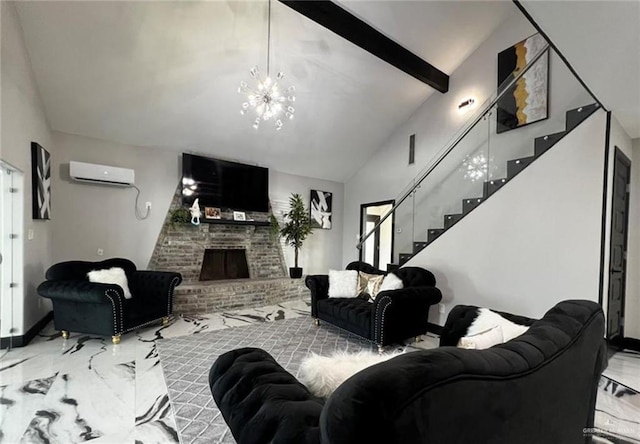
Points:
(165, 74)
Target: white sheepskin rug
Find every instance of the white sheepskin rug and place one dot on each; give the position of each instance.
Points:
(323, 374)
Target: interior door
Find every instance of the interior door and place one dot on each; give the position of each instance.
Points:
(377, 249)
(618, 251)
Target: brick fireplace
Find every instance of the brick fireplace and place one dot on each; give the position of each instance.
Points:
(184, 248)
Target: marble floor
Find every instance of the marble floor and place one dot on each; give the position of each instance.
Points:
(85, 388)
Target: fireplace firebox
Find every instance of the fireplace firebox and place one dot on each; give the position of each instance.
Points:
(219, 264)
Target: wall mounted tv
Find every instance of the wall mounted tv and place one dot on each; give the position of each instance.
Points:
(224, 184)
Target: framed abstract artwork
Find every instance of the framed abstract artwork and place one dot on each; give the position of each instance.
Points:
(320, 209)
(527, 100)
(40, 181)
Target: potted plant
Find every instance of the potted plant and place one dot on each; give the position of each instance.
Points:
(296, 228)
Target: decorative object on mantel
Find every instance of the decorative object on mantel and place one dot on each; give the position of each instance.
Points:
(267, 100)
(195, 213)
(211, 213)
(296, 228)
(527, 100)
(180, 215)
(41, 181)
(239, 215)
(320, 209)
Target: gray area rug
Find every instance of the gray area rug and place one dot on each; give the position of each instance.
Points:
(186, 362)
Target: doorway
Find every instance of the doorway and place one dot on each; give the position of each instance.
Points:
(377, 250)
(11, 245)
(618, 248)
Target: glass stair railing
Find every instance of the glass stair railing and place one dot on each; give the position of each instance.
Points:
(486, 153)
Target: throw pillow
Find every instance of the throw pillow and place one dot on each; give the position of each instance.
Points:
(343, 284)
(488, 319)
(114, 275)
(323, 374)
(373, 286)
(391, 282)
(483, 340)
(363, 281)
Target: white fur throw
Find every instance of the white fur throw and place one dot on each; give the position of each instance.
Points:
(488, 319)
(114, 275)
(343, 284)
(323, 374)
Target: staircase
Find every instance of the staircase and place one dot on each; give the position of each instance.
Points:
(541, 145)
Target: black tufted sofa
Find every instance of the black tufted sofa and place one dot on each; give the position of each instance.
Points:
(537, 388)
(394, 315)
(101, 309)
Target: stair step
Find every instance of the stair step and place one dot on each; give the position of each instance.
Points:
(470, 204)
(403, 258)
(492, 186)
(417, 246)
(542, 144)
(517, 165)
(433, 234)
(577, 115)
(451, 219)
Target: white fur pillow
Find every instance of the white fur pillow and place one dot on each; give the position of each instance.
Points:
(323, 374)
(391, 282)
(114, 275)
(343, 284)
(483, 340)
(488, 319)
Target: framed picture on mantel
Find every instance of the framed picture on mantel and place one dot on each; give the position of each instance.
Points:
(320, 209)
(239, 215)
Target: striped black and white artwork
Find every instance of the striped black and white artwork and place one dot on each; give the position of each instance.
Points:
(41, 181)
(320, 209)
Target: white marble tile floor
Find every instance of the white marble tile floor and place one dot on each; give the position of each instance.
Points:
(87, 389)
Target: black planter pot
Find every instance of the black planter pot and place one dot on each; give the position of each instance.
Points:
(295, 273)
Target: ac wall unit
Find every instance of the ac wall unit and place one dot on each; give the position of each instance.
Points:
(103, 174)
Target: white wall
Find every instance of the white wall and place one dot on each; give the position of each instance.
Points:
(535, 242)
(23, 122)
(632, 308)
(435, 123)
(90, 216)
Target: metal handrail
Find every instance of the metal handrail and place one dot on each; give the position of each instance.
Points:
(453, 144)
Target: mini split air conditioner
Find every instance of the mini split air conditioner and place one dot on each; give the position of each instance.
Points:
(102, 174)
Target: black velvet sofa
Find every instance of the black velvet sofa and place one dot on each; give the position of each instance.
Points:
(394, 316)
(101, 309)
(539, 388)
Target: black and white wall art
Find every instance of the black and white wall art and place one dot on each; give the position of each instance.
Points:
(320, 209)
(41, 181)
(527, 100)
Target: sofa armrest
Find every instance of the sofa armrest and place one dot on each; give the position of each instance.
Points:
(401, 314)
(81, 292)
(319, 286)
(262, 402)
(156, 285)
(462, 316)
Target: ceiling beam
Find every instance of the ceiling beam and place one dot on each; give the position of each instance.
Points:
(350, 27)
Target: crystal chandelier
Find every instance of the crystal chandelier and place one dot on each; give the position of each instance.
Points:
(267, 100)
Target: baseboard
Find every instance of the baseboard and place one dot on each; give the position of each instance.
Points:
(631, 344)
(434, 328)
(21, 341)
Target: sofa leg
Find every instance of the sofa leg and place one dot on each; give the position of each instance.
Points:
(115, 339)
(65, 334)
(165, 321)
(418, 339)
(316, 322)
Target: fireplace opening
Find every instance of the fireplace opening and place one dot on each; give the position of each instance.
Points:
(224, 264)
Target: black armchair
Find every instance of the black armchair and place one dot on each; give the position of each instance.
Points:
(101, 309)
(394, 316)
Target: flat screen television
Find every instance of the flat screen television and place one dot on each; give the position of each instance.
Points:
(224, 184)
